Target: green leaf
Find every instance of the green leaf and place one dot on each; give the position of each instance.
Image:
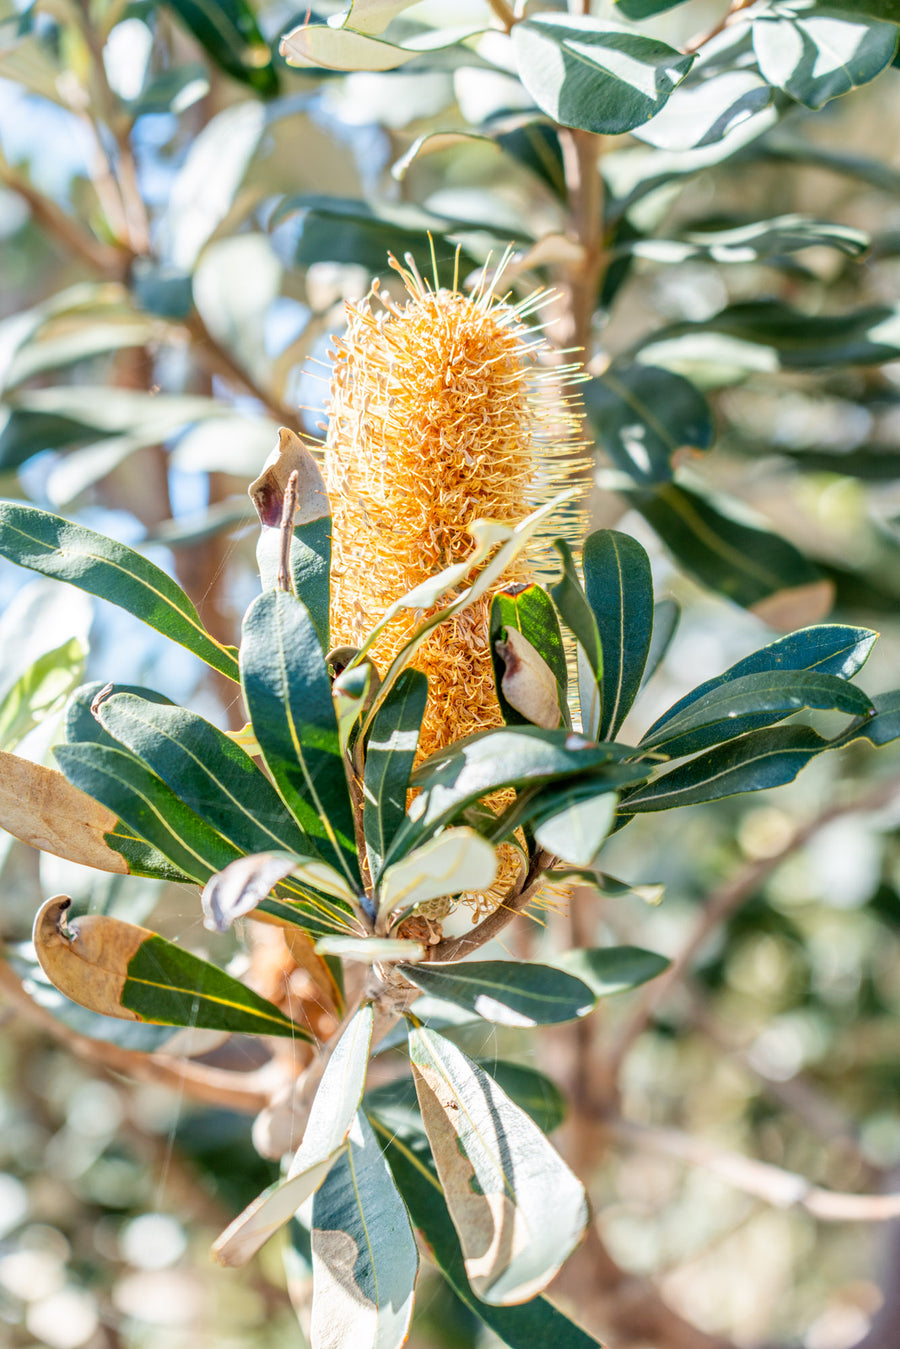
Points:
(506, 992)
(167, 984)
(595, 75)
(881, 728)
(390, 755)
(749, 702)
(452, 779)
(817, 52)
(207, 770)
(229, 33)
(709, 109)
(666, 615)
(531, 1090)
(826, 648)
(456, 860)
(245, 884)
(573, 822)
(40, 691)
(101, 566)
(619, 589)
(123, 970)
(612, 969)
(521, 1327)
(288, 695)
(787, 337)
(531, 612)
(724, 547)
(148, 807)
(641, 415)
(331, 1118)
(517, 1208)
(752, 763)
(645, 9)
(336, 229)
(571, 601)
(760, 239)
(361, 1235)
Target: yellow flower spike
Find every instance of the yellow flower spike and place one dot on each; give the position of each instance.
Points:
(444, 409)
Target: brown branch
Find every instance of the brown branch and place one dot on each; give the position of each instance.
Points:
(700, 39)
(248, 1092)
(220, 361)
(775, 1186)
(581, 151)
(725, 901)
(98, 256)
(457, 948)
(503, 13)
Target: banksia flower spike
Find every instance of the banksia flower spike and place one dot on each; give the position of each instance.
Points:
(443, 410)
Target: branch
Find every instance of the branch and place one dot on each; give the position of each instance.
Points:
(722, 903)
(98, 256)
(775, 1186)
(220, 361)
(503, 13)
(457, 948)
(247, 1092)
(701, 39)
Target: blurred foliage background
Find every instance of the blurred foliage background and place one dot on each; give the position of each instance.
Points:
(182, 217)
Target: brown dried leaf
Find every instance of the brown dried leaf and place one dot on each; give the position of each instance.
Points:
(528, 683)
(267, 492)
(88, 961)
(40, 807)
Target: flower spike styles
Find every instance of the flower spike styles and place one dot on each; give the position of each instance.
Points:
(444, 410)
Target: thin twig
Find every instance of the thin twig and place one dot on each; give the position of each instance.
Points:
(581, 151)
(456, 948)
(725, 901)
(503, 13)
(247, 1092)
(700, 39)
(288, 511)
(221, 362)
(775, 1186)
(99, 256)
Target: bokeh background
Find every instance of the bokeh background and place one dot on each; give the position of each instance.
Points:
(175, 260)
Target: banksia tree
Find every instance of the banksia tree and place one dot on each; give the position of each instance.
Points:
(444, 410)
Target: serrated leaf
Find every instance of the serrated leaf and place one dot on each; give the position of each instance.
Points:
(753, 763)
(40, 691)
(619, 589)
(390, 755)
(573, 825)
(750, 702)
(288, 695)
(364, 1254)
(517, 1208)
(457, 860)
(612, 969)
(38, 806)
(330, 1120)
(55, 547)
(596, 75)
(826, 648)
(724, 547)
(506, 992)
(127, 971)
(817, 52)
(641, 415)
(520, 1327)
